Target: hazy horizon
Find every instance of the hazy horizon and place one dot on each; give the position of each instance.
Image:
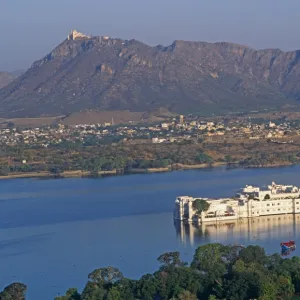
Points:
(32, 29)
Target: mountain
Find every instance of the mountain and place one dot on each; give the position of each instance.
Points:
(103, 73)
(6, 78)
(17, 73)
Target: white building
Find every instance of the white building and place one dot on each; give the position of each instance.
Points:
(250, 202)
(165, 126)
(156, 140)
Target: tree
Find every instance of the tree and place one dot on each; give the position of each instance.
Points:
(254, 254)
(4, 170)
(15, 291)
(217, 272)
(244, 286)
(203, 158)
(55, 170)
(147, 287)
(251, 197)
(187, 295)
(143, 164)
(284, 286)
(292, 158)
(93, 292)
(170, 259)
(200, 205)
(107, 166)
(210, 259)
(268, 289)
(113, 294)
(71, 294)
(106, 275)
(228, 158)
(126, 289)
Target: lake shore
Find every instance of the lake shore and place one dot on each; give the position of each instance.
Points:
(46, 174)
(175, 167)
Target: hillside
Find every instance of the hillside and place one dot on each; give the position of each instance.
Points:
(101, 73)
(6, 78)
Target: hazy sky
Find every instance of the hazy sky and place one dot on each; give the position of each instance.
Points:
(29, 29)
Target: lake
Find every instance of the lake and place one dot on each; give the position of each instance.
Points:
(54, 232)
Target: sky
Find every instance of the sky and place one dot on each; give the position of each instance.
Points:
(30, 29)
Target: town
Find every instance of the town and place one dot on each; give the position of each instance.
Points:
(180, 142)
(172, 131)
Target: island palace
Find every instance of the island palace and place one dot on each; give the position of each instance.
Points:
(250, 202)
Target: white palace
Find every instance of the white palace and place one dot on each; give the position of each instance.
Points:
(250, 202)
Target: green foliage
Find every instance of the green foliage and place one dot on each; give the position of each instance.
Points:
(228, 158)
(95, 154)
(4, 170)
(15, 291)
(243, 286)
(253, 254)
(187, 295)
(93, 292)
(216, 272)
(71, 294)
(200, 205)
(210, 260)
(203, 158)
(169, 259)
(114, 294)
(105, 275)
(292, 158)
(147, 287)
(55, 170)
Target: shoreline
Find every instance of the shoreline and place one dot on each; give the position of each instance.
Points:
(175, 167)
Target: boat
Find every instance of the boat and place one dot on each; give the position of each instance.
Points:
(287, 252)
(285, 246)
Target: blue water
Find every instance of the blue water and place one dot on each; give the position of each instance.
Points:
(54, 232)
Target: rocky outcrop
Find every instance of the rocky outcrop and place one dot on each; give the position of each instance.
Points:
(105, 73)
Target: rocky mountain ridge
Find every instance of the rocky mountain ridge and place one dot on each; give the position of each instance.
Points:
(103, 73)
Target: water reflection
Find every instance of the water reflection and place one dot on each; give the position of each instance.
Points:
(260, 230)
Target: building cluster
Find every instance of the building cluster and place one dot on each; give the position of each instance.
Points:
(250, 202)
(223, 129)
(175, 130)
